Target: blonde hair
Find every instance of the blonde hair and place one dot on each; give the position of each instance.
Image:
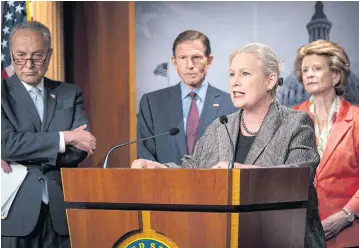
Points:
(338, 60)
(270, 61)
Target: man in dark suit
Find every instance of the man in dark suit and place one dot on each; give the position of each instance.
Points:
(191, 105)
(43, 126)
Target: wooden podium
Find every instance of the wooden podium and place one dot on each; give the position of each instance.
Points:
(186, 208)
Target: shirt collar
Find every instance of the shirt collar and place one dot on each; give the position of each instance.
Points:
(40, 86)
(201, 91)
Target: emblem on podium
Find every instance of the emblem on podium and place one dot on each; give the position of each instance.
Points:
(145, 238)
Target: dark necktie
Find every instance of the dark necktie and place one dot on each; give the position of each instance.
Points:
(192, 124)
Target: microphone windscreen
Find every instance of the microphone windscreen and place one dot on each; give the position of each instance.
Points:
(173, 131)
(223, 119)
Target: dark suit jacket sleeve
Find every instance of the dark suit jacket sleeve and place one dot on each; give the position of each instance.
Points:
(21, 146)
(16, 146)
(303, 146)
(145, 128)
(79, 117)
(72, 155)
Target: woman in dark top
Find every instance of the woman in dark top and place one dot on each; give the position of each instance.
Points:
(265, 134)
(242, 148)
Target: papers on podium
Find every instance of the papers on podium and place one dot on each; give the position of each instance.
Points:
(10, 184)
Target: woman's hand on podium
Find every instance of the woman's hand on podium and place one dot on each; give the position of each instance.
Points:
(147, 164)
(221, 165)
(245, 166)
(225, 164)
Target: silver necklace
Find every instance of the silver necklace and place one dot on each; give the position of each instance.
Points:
(244, 126)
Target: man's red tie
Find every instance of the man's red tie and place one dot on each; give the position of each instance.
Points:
(192, 124)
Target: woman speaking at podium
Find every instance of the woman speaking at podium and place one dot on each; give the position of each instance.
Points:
(261, 133)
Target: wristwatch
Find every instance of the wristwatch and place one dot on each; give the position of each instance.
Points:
(350, 216)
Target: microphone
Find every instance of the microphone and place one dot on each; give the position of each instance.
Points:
(172, 132)
(224, 120)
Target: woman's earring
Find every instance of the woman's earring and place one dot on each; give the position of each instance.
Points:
(268, 89)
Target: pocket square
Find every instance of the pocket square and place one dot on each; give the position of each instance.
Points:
(53, 96)
(215, 105)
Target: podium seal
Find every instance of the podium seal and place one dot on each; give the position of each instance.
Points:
(145, 238)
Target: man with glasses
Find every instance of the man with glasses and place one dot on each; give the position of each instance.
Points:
(43, 127)
(191, 105)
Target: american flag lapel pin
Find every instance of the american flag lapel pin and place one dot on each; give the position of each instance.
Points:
(53, 96)
(215, 105)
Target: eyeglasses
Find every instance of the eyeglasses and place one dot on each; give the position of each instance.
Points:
(35, 61)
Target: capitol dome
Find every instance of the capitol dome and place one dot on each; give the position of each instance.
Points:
(292, 92)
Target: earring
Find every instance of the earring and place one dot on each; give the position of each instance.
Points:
(268, 89)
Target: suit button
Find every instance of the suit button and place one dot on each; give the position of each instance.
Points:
(41, 180)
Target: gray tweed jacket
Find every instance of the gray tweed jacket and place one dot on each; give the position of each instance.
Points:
(286, 138)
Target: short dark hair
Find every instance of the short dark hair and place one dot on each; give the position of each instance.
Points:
(192, 35)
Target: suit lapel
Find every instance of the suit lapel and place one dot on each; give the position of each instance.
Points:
(50, 103)
(267, 130)
(339, 129)
(22, 97)
(210, 110)
(175, 116)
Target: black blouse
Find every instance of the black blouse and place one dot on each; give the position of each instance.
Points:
(243, 145)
